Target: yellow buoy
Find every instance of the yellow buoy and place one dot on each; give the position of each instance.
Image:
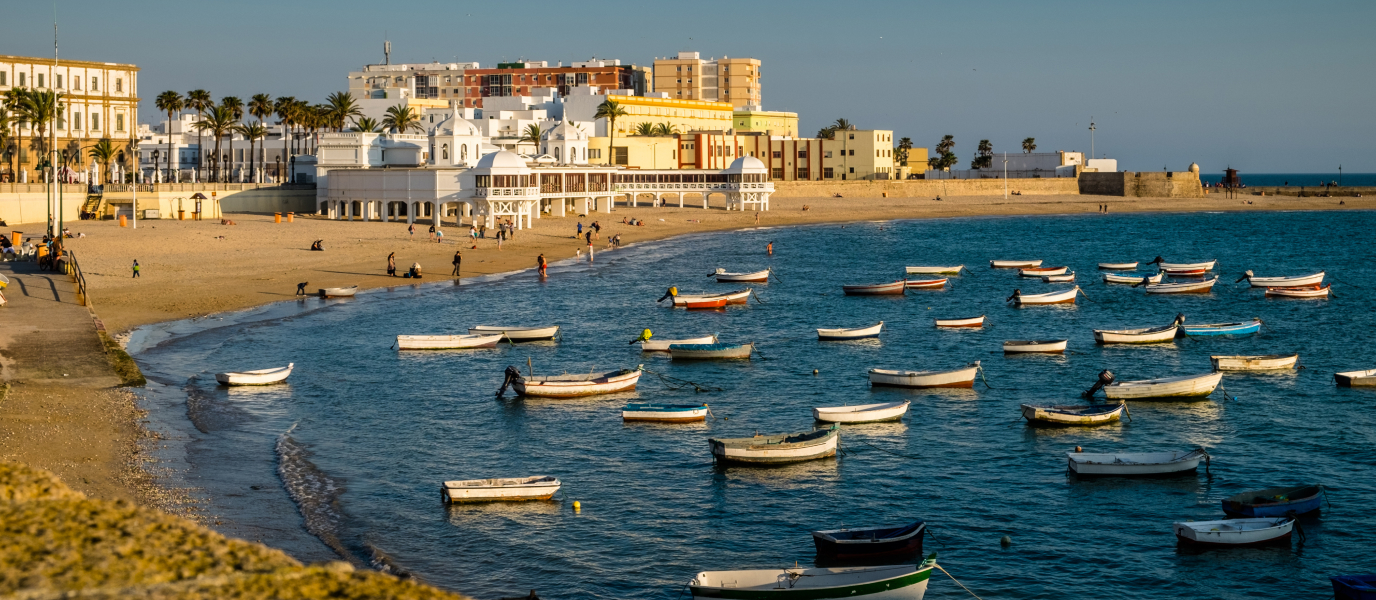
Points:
(577, 505)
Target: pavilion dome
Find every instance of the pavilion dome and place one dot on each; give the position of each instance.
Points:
(456, 125)
(747, 164)
(564, 131)
(502, 160)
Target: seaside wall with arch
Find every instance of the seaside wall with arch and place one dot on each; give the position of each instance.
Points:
(923, 188)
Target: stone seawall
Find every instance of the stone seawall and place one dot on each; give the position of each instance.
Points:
(1156, 184)
(925, 188)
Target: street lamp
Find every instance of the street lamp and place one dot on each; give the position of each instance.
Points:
(1340, 175)
(278, 159)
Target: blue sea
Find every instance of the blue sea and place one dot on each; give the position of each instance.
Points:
(346, 460)
(1296, 180)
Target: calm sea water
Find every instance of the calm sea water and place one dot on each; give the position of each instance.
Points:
(1307, 180)
(346, 459)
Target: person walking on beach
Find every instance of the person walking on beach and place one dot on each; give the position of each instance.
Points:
(757, 217)
(439, 236)
(596, 230)
(136, 268)
(432, 232)
(580, 230)
(392, 264)
(543, 265)
(411, 229)
(458, 262)
(301, 288)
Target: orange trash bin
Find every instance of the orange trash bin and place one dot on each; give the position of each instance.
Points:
(291, 217)
(16, 237)
(123, 221)
(277, 217)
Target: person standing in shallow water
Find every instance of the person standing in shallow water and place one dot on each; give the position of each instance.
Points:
(392, 264)
(458, 261)
(543, 264)
(770, 248)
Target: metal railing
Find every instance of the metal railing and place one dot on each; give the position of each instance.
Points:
(74, 270)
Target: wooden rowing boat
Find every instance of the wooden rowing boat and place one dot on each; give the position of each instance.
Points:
(970, 322)
(710, 351)
(700, 303)
(1014, 264)
(1299, 292)
(339, 292)
(1270, 282)
(1262, 362)
(1061, 297)
(447, 342)
(862, 413)
(734, 297)
(1356, 378)
(876, 289)
(897, 582)
(1034, 346)
(1185, 272)
(926, 284)
(934, 270)
(1188, 386)
(963, 377)
(1139, 464)
(663, 345)
(1042, 271)
(850, 334)
(756, 277)
(777, 449)
(259, 377)
(506, 489)
(1131, 279)
(869, 541)
(517, 334)
(1162, 264)
(1191, 287)
(1074, 415)
(1066, 278)
(577, 385)
(1130, 266)
(1235, 533)
(1215, 329)
(1143, 335)
(664, 413)
(1275, 502)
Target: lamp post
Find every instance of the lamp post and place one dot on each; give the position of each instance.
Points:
(1340, 175)
(1005, 175)
(138, 169)
(156, 154)
(1091, 137)
(278, 159)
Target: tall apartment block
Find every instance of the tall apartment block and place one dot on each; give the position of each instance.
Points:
(689, 77)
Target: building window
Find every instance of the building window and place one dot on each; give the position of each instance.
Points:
(802, 173)
(21, 80)
(778, 154)
(802, 153)
(620, 155)
(827, 173)
(852, 136)
(76, 120)
(95, 121)
(59, 80)
(826, 154)
(40, 80)
(777, 173)
(119, 122)
(119, 84)
(595, 153)
(2, 77)
(852, 169)
(852, 153)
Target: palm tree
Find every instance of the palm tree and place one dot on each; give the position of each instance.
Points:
(944, 158)
(171, 103)
(5, 123)
(260, 105)
(904, 145)
(1028, 145)
(218, 120)
(984, 155)
(611, 111)
(400, 119)
(236, 106)
(342, 108)
(252, 132)
(285, 107)
(103, 152)
(946, 144)
(17, 101)
(43, 107)
(532, 134)
(665, 129)
(644, 129)
(842, 125)
(199, 101)
(366, 125)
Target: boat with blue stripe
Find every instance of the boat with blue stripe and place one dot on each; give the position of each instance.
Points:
(1275, 502)
(664, 413)
(1209, 329)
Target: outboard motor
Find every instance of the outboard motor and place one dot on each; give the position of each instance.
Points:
(1245, 274)
(1105, 378)
(1179, 319)
(669, 293)
(512, 376)
(1156, 261)
(1016, 294)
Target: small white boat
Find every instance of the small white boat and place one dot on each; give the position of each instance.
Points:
(1035, 346)
(963, 377)
(1263, 362)
(777, 449)
(736, 297)
(339, 292)
(756, 277)
(1130, 266)
(1066, 278)
(876, 289)
(1189, 287)
(970, 322)
(1143, 335)
(664, 413)
(850, 334)
(1188, 386)
(1185, 272)
(1061, 297)
(1074, 415)
(1234, 533)
(710, 351)
(1136, 463)
(653, 345)
(259, 377)
(1299, 292)
(1270, 282)
(447, 342)
(1042, 271)
(925, 284)
(934, 270)
(897, 582)
(573, 386)
(516, 334)
(1163, 265)
(507, 489)
(1355, 378)
(1014, 264)
(863, 413)
(1131, 279)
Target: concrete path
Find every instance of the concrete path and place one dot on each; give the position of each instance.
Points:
(46, 336)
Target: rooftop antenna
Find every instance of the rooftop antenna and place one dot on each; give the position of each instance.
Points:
(386, 50)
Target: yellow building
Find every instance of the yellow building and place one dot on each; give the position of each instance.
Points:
(688, 76)
(685, 115)
(851, 155)
(766, 121)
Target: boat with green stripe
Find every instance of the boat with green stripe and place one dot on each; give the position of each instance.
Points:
(895, 582)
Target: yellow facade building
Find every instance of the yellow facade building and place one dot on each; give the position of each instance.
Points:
(688, 76)
(766, 121)
(850, 156)
(684, 115)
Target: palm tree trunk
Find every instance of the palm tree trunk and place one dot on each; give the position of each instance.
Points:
(200, 151)
(231, 156)
(169, 147)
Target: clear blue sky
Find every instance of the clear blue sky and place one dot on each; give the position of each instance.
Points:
(1262, 86)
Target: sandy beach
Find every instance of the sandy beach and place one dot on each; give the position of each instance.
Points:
(191, 269)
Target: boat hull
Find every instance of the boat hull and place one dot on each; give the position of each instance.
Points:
(1014, 264)
(347, 292)
(535, 488)
(764, 453)
(1201, 287)
(660, 413)
(909, 582)
(959, 378)
(1173, 463)
(1203, 266)
(1071, 416)
(260, 377)
(1231, 534)
(934, 270)
(1254, 363)
(1174, 387)
(1315, 292)
(607, 384)
(1213, 329)
(1270, 282)
(447, 342)
(858, 333)
(1136, 336)
(1042, 271)
(1065, 297)
(1355, 378)
(1131, 280)
(926, 284)
(710, 351)
(862, 543)
(517, 334)
(756, 277)
(1240, 506)
(866, 413)
(1132, 266)
(663, 345)
(883, 289)
(1035, 346)
(971, 322)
